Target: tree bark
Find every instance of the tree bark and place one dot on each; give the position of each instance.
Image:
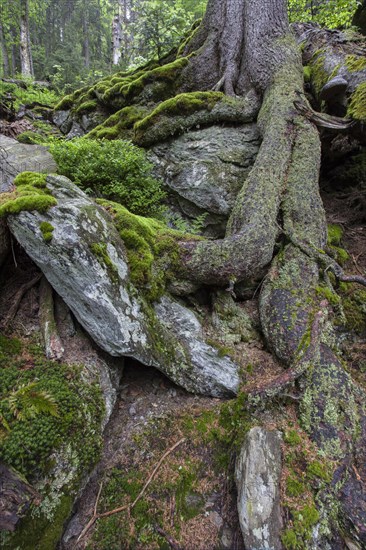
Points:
(25, 46)
(4, 53)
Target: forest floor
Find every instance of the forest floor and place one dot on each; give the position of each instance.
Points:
(190, 503)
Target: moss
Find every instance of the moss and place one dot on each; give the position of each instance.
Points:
(289, 539)
(31, 138)
(31, 194)
(294, 487)
(40, 533)
(357, 104)
(317, 469)
(120, 124)
(355, 63)
(65, 104)
(328, 294)
(307, 73)
(319, 76)
(182, 104)
(152, 249)
(101, 253)
(31, 444)
(164, 78)
(47, 231)
(292, 438)
(87, 106)
(335, 234)
(354, 306)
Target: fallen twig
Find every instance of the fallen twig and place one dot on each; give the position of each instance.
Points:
(127, 506)
(172, 542)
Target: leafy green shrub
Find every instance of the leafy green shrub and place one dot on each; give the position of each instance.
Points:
(30, 93)
(117, 170)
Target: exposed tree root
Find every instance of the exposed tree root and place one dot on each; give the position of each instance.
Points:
(52, 341)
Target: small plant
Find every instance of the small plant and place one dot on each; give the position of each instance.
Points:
(117, 170)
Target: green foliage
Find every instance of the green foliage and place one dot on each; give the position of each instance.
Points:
(161, 23)
(292, 438)
(31, 93)
(294, 487)
(317, 469)
(116, 170)
(331, 14)
(45, 405)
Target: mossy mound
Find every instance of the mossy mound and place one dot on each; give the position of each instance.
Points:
(31, 193)
(184, 111)
(120, 124)
(50, 415)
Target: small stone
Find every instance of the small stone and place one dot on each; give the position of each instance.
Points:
(216, 519)
(132, 410)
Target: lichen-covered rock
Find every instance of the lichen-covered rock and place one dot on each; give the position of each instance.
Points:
(207, 167)
(19, 157)
(258, 472)
(85, 261)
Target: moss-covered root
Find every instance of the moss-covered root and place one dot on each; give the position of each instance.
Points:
(332, 407)
(176, 115)
(253, 226)
(51, 338)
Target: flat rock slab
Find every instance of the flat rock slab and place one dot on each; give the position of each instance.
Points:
(257, 472)
(18, 157)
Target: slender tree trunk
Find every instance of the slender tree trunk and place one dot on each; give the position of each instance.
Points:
(25, 46)
(86, 44)
(117, 35)
(4, 52)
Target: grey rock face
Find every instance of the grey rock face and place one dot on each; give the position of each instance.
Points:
(18, 157)
(63, 120)
(196, 364)
(77, 274)
(207, 167)
(104, 302)
(257, 472)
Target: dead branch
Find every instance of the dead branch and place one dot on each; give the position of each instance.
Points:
(128, 507)
(172, 542)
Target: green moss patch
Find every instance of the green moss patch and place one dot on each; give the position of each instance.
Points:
(30, 194)
(47, 231)
(357, 104)
(120, 124)
(355, 63)
(152, 248)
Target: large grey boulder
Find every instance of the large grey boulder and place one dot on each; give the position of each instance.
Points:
(86, 263)
(205, 168)
(18, 157)
(257, 473)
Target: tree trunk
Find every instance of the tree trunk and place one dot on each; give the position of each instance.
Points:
(25, 46)
(4, 53)
(116, 36)
(242, 44)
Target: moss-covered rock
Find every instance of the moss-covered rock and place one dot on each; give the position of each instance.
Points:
(357, 105)
(31, 194)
